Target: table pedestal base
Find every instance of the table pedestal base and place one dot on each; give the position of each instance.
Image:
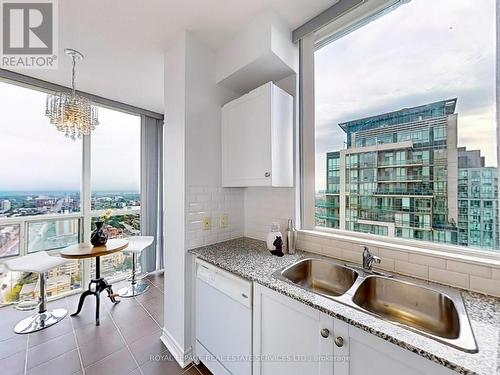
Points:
(101, 285)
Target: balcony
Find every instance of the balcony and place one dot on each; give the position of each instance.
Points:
(400, 163)
(327, 205)
(407, 178)
(409, 192)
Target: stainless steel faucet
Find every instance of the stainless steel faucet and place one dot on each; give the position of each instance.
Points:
(368, 259)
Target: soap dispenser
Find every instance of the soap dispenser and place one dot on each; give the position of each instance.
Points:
(273, 235)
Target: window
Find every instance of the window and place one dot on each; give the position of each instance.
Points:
(116, 161)
(118, 264)
(116, 177)
(35, 181)
(41, 189)
(399, 111)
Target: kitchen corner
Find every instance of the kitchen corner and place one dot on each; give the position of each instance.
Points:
(250, 260)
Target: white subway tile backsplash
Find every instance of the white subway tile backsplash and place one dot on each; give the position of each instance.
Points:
(210, 201)
(471, 269)
(412, 269)
(265, 205)
(483, 285)
(452, 278)
(495, 273)
(393, 254)
(427, 260)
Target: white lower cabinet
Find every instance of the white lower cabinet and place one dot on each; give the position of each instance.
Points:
(288, 338)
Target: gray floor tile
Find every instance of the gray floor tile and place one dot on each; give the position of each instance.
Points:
(163, 367)
(58, 329)
(118, 363)
(136, 329)
(67, 363)
(13, 345)
(145, 348)
(51, 349)
(13, 364)
(97, 349)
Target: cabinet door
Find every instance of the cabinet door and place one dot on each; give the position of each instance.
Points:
(369, 354)
(246, 140)
(287, 336)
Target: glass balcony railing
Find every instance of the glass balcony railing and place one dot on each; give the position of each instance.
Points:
(327, 205)
(327, 217)
(398, 163)
(400, 178)
(404, 192)
(24, 234)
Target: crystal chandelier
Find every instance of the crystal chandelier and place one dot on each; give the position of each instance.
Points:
(72, 114)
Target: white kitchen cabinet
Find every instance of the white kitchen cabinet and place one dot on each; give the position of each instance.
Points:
(257, 139)
(287, 337)
(368, 354)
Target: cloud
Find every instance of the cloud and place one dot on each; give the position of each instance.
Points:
(420, 53)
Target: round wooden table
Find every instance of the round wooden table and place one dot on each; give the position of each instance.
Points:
(83, 251)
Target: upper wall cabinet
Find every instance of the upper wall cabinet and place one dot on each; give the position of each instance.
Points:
(257, 139)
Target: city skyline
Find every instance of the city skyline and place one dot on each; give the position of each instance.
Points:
(388, 60)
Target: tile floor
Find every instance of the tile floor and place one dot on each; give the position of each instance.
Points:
(126, 342)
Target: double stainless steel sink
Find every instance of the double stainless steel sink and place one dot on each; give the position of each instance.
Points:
(430, 310)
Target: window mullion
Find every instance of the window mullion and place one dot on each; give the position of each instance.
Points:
(86, 202)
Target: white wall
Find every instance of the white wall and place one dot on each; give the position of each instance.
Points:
(174, 196)
(192, 179)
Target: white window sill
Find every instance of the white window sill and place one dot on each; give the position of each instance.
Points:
(473, 256)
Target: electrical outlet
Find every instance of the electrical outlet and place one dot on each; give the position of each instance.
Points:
(223, 220)
(207, 223)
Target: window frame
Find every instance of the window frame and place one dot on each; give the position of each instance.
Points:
(85, 215)
(306, 188)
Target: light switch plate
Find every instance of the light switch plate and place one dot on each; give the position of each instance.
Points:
(207, 223)
(223, 220)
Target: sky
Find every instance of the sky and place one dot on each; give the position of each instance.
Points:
(35, 156)
(424, 51)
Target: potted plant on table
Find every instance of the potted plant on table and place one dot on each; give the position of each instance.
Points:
(99, 237)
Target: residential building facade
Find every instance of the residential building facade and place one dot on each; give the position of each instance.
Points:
(477, 201)
(397, 176)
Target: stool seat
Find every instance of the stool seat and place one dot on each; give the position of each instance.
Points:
(135, 247)
(37, 262)
(137, 244)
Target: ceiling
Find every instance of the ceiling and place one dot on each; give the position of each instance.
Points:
(123, 41)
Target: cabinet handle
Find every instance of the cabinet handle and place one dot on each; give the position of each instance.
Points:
(267, 174)
(325, 332)
(339, 341)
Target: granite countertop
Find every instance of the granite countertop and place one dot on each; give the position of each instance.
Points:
(250, 259)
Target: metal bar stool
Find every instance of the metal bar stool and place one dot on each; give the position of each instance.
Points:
(39, 263)
(135, 246)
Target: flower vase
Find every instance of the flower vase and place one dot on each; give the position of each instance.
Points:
(98, 236)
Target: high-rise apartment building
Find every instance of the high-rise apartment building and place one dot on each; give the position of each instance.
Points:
(477, 201)
(397, 177)
(5, 205)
